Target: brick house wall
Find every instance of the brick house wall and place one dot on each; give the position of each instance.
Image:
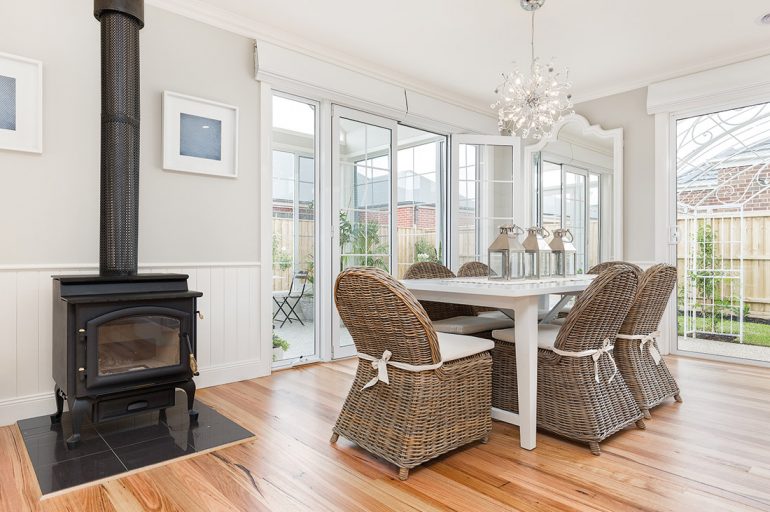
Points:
(735, 185)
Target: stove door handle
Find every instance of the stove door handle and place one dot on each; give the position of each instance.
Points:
(193, 362)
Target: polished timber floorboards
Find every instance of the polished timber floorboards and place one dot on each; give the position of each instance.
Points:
(711, 452)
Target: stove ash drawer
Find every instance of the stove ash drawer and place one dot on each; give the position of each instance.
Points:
(117, 407)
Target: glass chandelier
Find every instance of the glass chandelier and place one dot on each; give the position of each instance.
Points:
(530, 106)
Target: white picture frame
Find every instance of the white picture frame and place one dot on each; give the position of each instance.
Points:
(200, 136)
(21, 104)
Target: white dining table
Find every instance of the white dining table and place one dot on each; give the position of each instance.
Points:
(519, 300)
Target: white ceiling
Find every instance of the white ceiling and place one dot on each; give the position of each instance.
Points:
(461, 46)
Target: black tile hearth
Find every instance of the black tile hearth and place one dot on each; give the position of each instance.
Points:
(113, 447)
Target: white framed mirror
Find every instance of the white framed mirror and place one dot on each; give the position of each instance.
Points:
(576, 179)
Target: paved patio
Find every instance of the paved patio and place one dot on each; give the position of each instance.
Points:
(721, 348)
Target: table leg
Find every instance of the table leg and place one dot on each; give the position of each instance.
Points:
(554, 312)
(526, 369)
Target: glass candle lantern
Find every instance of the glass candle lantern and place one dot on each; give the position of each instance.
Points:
(537, 260)
(517, 253)
(498, 256)
(506, 255)
(564, 253)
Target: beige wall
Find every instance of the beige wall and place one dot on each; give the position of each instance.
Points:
(629, 111)
(49, 203)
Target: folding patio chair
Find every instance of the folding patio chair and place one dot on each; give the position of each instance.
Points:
(291, 299)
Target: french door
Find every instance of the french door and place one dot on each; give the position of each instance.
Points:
(484, 171)
(363, 194)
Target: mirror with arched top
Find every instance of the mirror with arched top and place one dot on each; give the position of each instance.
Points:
(576, 179)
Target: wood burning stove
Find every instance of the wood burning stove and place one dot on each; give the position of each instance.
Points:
(122, 341)
(121, 345)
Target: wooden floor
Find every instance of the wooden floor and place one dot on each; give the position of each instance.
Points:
(710, 453)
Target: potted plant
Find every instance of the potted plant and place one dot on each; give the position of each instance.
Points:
(280, 346)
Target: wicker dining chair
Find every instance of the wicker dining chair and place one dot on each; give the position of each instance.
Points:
(473, 269)
(597, 269)
(575, 398)
(476, 269)
(456, 318)
(636, 350)
(437, 310)
(416, 414)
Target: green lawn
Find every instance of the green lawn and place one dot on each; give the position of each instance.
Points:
(753, 334)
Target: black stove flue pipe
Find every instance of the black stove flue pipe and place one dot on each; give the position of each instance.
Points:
(120, 21)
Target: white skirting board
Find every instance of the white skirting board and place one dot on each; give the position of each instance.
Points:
(229, 345)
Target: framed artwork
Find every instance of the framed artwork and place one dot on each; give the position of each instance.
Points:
(199, 136)
(21, 104)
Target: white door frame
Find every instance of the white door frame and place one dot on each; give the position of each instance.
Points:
(339, 112)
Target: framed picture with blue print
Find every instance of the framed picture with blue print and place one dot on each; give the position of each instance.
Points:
(199, 136)
(21, 104)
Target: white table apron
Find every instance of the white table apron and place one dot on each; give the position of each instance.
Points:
(521, 300)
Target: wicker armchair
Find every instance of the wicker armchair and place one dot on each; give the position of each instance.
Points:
(456, 318)
(576, 398)
(415, 414)
(597, 269)
(437, 310)
(475, 269)
(642, 368)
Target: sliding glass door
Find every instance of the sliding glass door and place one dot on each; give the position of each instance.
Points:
(363, 189)
(722, 218)
(381, 204)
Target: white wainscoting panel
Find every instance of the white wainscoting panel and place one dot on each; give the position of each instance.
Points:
(229, 345)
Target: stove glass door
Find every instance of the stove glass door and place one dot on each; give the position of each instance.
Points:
(138, 346)
(134, 343)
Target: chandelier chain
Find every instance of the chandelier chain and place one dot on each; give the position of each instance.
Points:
(532, 43)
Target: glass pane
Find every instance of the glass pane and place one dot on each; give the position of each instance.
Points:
(723, 193)
(486, 190)
(283, 165)
(552, 198)
(422, 160)
(138, 343)
(365, 198)
(575, 214)
(293, 229)
(594, 227)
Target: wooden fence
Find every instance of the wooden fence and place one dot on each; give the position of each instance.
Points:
(755, 246)
(283, 240)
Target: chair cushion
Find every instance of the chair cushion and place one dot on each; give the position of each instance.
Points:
(457, 346)
(546, 335)
(497, 315)
(472, 324)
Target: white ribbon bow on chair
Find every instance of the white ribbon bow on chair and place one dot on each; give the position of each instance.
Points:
(381, 365)
(597, 354)
(646, 339)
